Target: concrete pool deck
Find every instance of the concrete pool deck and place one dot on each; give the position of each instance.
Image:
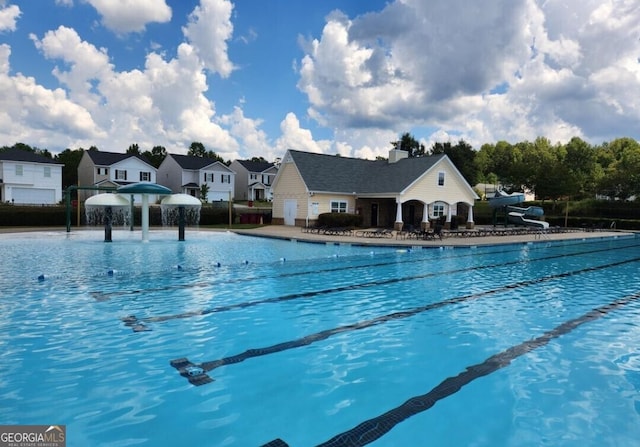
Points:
(460, 238)
(449, 239)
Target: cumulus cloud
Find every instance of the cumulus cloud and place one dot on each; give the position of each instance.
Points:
(295, 137)
(125, 16)
(504, 70)
(209, 29)
(8, 17)
(34, 113)
(252, 140)
(163, 104)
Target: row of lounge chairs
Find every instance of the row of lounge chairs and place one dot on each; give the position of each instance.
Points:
(423, 235)
(429, 235)
(345, 231)
(330, 231)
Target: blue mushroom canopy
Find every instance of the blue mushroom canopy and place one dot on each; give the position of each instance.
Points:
(144, 188)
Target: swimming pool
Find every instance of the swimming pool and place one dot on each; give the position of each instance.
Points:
(228, 340)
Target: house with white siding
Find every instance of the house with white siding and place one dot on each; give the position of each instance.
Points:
(389, 193)
(253, 179)
(27, 178)
(112, 170)
(186, 174)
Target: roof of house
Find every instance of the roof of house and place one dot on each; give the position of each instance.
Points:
(255, 166)
(109, 158)
(26, 156)
(334, 173)
(193, 162)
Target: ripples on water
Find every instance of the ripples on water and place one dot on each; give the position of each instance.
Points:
(68, 358)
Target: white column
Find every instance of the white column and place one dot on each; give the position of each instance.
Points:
(398, 224)
(145, 217)
(425, 218)
(470, 223)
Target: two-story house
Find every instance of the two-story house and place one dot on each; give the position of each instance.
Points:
(186, 174)
(29, 178)
(254, 179)
(111, 169)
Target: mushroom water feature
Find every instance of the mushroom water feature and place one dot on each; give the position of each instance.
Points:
(100, 209)
(144, 189)
(182, 209)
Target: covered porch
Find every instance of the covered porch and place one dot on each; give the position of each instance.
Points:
(392, 213)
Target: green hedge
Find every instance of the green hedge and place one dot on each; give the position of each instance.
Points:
(339, 220)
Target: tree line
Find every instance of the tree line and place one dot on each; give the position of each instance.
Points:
(575, 170)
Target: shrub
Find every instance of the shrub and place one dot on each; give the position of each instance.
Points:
(339, 220)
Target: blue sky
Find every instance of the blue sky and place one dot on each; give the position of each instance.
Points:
(256, 77)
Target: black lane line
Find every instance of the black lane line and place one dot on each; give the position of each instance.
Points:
(102, 296)
(139, 324)
(372, 429)
(197, 373)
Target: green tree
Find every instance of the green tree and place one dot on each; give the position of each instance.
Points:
(462, 156)
(70, 159)
(196, 149)
(408, 143)
(204, 192)
(582, 168)
(621, 177)
(156, 156)
(134, 149)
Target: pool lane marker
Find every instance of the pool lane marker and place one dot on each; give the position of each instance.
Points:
(372, 429)
(197, 375)
(140, 324)
(106, 296)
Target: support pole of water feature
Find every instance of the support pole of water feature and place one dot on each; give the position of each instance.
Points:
(181, 223)
(144, 189)
(108, 222)
(145, 217)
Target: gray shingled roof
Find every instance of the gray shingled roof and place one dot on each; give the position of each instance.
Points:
(255, 166)
(332, 173)
(100, 158)
(191, 162)
(26, 156)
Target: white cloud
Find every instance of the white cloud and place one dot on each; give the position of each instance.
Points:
(208, 31)
(253, 140)
(164, 104)
(125, 16)
(295, 137)
(33, 113)
(483, 72)
(9, 17)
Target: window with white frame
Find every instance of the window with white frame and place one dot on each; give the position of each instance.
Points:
(225, 178)
(121, 174)
(440, 178)
(145, 176)
(253, 176)
(438, 210)
(208, 177)
(47, 171)
(19, 170)
(103, 171)
(338, 206)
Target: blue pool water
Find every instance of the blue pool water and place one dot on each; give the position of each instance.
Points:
(228, 340)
